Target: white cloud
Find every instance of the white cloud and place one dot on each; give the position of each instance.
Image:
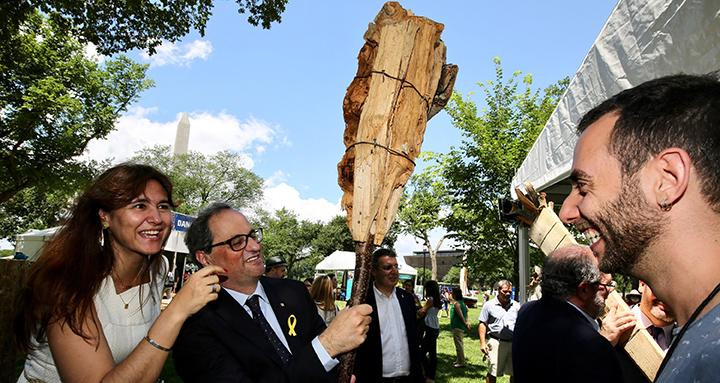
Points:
(169, 53)
(90, 52)
(209, 134)
(282, 195)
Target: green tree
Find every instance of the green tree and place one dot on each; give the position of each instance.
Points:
(332, 236)
(496, 139)
(288, 237)
(38, 208)
(53, 102)
(422, 210)
(199, 179)
(118, 26)
(424, 274)
(453, 275)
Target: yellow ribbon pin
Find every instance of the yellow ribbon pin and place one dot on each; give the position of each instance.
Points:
(292, 321)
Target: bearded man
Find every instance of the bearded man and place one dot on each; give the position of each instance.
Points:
(646, 192)
(556, 338)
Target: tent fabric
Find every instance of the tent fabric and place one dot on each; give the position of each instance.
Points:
(345, 260)
(642, 40)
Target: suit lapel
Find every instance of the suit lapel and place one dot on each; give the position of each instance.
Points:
(238, 320)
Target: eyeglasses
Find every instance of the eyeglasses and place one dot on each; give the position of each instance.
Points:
(608, 286)
(239, 241)
(396, 266)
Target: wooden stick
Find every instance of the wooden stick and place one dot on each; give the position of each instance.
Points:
(361, 284)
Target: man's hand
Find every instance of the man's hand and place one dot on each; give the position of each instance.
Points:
(617, 327)
(485, 348)
(347, 331)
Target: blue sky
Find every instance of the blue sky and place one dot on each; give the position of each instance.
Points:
(275, 96)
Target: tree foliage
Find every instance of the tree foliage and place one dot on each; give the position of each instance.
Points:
(38, 208)
(53, 101)
(495, 141)
(288, 237)
(118, 26)
(199, 179)
(422, 210)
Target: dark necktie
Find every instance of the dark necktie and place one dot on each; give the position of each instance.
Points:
(659, 335)
(254, 304)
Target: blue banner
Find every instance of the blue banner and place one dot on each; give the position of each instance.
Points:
(181, 222)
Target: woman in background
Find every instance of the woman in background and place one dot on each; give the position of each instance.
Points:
(323, 294)
(432, 329)
(458, 323)
(90, 310)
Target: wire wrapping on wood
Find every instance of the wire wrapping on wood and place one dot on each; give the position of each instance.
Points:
(389, 150)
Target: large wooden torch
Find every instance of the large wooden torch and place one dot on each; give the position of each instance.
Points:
(401, 82)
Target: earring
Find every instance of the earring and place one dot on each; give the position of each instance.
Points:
(105, 225)
(665, 206)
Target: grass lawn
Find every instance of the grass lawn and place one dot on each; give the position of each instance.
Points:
(474, 371)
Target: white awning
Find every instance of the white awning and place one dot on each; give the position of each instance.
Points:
(345, 260)
(642, 40)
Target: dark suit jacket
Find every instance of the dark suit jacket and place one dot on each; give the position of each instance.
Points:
(368, 362)
(222, 343)
(553, 342)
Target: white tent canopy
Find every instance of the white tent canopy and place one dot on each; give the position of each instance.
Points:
(345, 260)
(642, 40)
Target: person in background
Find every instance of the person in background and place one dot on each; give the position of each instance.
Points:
(429, 313)
(90, 309)
(322, 293)
(410, 288)
(308, 283)
(459, 324)
(557, 337)
(655, 316)
(497, 322)
(445, 296)
(391, 352)
(276, 267)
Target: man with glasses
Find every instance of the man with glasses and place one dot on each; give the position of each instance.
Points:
(391, 352)
(259, 328)
(556, 338)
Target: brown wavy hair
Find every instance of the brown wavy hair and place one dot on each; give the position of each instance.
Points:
(323, 292)
(63, 282)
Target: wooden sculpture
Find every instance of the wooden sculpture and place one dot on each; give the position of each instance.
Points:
(401, 82)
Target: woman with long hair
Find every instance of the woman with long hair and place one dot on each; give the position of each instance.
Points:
(323, 294)
(432, 328)
(459, 324)
(90, 309)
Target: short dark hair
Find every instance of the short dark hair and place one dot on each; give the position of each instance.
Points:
(381, 252)
(673, 111)
(565, 269)
(198, 236)
(503, 282)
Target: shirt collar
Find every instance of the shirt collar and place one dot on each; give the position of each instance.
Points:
(592, 321)
(242, 298)
(379, 293)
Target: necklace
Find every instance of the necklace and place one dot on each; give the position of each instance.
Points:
(127, 304)
(129, 300)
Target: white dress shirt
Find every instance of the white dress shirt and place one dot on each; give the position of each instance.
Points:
(327, 361)
(393, 335)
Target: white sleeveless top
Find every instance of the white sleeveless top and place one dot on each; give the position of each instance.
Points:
(123, 328)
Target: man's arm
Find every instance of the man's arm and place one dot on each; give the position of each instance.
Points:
(482, 329)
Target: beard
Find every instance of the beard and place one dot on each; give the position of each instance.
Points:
(598, 306)
(629, 225)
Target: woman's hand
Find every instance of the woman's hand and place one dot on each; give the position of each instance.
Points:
(202, 287)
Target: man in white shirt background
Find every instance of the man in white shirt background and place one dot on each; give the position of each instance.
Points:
(390, 352)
